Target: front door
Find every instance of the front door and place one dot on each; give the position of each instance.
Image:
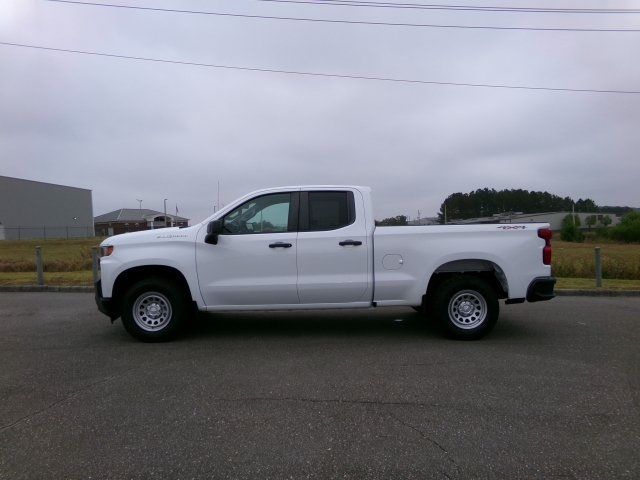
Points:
(254, 261)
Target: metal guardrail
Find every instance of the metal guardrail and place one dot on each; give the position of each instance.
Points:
(95, 263)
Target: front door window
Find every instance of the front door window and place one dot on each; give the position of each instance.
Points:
(265, 214)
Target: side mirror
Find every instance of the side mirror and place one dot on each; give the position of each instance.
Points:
(213, 230)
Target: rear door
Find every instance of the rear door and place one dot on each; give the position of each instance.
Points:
(333, 248)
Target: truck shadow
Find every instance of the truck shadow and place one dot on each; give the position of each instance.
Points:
(396, 322)
(316, 322)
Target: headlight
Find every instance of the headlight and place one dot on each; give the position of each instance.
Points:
(106, 250)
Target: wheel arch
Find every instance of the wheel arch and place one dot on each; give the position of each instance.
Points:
(130, 276)
(486, 269)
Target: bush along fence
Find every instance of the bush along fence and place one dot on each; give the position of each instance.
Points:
(95, 265)
(617, 261)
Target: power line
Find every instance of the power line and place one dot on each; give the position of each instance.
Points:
(473, 8)
(320, 74)
(350, 22)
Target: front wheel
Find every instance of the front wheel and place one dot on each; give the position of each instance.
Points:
(466, 306)
(154, 310)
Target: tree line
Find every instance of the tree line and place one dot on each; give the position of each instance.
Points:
(486, 202)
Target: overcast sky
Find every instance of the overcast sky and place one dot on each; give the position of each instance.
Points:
(137, 130)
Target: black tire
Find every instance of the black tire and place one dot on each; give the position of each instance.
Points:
(466, 306)
(155, 309)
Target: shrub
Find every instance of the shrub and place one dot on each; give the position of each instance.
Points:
(601, 233)
(570, 231)
(628, 230)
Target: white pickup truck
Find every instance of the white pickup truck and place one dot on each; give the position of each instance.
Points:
(317, 247)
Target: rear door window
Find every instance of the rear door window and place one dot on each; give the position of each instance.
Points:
(322, 211)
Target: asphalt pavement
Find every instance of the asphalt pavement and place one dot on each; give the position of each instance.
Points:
(554, 391)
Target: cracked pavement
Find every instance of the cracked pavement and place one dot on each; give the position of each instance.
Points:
(553, 392)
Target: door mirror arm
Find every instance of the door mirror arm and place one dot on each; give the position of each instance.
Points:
(214, 228)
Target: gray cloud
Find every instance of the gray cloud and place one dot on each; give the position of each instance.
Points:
(138, 130)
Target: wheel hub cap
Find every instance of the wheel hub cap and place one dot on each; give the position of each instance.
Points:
(467, 309)
(152, 311)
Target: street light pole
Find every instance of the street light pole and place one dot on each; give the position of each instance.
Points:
(165, 213)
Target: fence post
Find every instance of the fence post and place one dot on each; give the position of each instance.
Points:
(44, 231)
(95, 263)
(39, 267)
(598, 267)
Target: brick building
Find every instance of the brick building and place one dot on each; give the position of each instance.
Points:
(135, 219)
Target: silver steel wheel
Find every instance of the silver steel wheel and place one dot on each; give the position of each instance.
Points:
(151, 311)
(467, 309)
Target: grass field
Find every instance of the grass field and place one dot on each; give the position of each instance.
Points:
(58, 255)
(576, 260)
(68, 262)
(590, 284)
(83, 277)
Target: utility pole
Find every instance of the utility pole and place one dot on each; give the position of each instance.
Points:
(139, 203)
(218, 201)
(165, 213)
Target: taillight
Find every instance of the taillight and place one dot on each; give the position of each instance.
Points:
(546, 234)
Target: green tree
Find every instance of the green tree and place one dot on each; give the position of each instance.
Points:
(628, 230)
(591, 220)
(486, 202)
(570, 231)
(606, 220)
(398, 220)
(586, 205)
(616, 210)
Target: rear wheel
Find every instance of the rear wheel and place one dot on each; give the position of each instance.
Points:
(466, 306)
(155, 309)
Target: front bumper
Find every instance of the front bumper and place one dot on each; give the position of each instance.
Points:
(540, 289)
(105, 305)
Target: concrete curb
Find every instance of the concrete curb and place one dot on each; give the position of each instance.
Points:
(47, 288)
(598, 293)
(90, 289)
